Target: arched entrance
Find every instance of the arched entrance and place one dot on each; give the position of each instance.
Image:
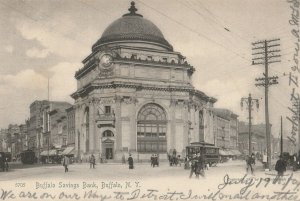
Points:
(108, 144)
(152, 129)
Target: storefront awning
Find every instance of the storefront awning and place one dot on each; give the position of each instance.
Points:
(68, 151)
(236, 152)
(51, 153)
(223, 152)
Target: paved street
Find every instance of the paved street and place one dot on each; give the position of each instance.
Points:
(120, 171)
(147, 183)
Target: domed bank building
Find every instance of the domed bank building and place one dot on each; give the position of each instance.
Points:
(134, 95)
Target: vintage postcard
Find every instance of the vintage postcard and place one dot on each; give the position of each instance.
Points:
(108, 100)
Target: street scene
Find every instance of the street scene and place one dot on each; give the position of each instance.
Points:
(149, 100)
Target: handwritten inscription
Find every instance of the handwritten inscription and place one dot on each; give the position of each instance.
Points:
(244, 188)
(294, 71)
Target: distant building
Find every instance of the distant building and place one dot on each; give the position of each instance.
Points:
(58, 128)
(3, 140)
(23, 137)
(71, 126)
(225, 129)
(258, 138)
(55, 125)
(287, 146)
(11, 139)
(39, 123)
(35, 124)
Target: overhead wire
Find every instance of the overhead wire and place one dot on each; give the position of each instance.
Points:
(194, 31)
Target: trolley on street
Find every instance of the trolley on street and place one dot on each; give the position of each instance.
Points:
(209, 152)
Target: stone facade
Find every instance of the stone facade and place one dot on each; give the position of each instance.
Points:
(225, 129)
(134, 95)
(71, 126)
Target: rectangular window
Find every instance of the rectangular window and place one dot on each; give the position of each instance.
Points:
(150, 58)
(107, 109)
(165, 59)
(148, 147)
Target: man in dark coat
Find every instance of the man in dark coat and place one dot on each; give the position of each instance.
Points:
(194, 163)
(92, 161)
(2, 162)
(152, 160)
(280, 166)
(200, 166)
(130, 162)
(250, 161)
(66, 162)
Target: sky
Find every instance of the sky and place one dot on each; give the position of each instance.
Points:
(43, 39)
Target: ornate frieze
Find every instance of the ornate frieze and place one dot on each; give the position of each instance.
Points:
(151, 61)
(129, 100)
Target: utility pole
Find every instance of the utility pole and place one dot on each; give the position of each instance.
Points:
(281, 137)
(249, 101)
(48, 129)
(265, 54)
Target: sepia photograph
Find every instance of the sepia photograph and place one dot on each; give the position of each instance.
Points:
(108, 100)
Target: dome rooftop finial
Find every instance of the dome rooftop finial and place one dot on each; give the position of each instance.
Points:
(132, 10)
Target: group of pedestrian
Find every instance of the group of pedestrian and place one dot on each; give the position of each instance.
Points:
(280, 166)
(197, 164)
(154, 160)
(3, 162)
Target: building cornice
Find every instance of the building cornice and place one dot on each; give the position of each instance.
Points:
(138, 87)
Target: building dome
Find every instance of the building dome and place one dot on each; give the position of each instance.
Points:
(132, 27)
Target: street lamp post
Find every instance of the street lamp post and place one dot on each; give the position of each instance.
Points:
(249, 101)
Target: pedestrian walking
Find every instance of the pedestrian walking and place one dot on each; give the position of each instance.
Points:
(179, 160)
(66, 162)
(2, 165)
(152, 160)
(265, 160)
(92, 161)
(6, 163)
(199, 166)
(250, 162)
(280, 166)
(156, 160)
(193, 165)
(130, 162)
(123, 159)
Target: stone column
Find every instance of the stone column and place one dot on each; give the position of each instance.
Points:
(172, 123)
(92, 130)
(118, 123)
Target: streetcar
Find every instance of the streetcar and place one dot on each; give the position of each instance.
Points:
(28, 157)
(209, 152)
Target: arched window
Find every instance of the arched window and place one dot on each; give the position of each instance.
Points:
(151, 129)
(107, 133)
